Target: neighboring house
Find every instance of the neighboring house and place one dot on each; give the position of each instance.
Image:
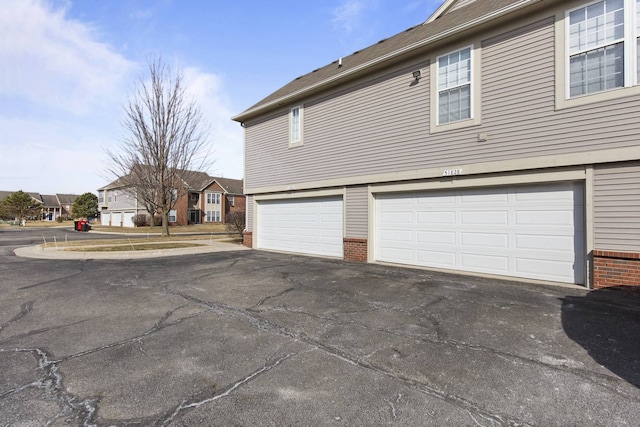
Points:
(118, 205)
(53, 206)
(206, 199)
(500, 137)
(58, 205)
(220, 197)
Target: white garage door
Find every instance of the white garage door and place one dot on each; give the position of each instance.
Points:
(532, 232)
(105, 218)
(127, 218)
(116, 219)
(308, 226)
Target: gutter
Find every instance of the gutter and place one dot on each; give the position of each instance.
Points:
(481, 20)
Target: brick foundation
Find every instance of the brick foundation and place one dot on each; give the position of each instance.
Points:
(612, 268)
(248, 239)
(355, 249)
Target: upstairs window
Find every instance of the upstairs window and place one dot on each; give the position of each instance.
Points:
(231, 200)
(603, 46)
(295, 126)
(213, 198)
(454, 86)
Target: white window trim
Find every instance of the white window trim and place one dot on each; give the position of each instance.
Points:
(474, 120)
(300, 139)
(631, 87)
(174, 215)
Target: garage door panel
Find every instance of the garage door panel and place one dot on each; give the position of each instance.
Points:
(484, 263)
(523, 231)
(485, 197)
(435, 237)
(105, 219)
(494, 240)
(544, 242)
(310, 226)
(444, 259)
(546, 218)
(436, 217)
(484, 217)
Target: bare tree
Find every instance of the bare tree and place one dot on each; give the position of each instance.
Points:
(165, 137)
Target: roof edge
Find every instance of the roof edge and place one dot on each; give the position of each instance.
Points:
(266, 107)
(439, 11)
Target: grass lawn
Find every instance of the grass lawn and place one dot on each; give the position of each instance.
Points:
(135, 247)
(195, 228)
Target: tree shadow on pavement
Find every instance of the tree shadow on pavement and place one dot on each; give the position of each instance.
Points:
(606, 323)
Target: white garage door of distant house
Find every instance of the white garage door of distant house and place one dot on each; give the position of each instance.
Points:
(105, 218)
(533, 232)
(116, 219)
(127, 219)
(308, 226)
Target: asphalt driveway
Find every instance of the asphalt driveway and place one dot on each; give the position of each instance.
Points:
(257, 338)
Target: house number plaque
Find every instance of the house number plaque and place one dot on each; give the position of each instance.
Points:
(452, 172)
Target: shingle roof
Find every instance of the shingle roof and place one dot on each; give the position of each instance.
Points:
(444, 26)
(195, 180)
(230, 186)
(67, 199)
(49, 201)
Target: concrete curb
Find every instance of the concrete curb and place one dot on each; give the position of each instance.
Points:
(41, 252)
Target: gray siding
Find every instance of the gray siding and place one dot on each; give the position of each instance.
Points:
(616, 206)
(125, 200)
(382, 125)
(249, 215)
(357, 208)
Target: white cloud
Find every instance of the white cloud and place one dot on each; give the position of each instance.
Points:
(50, 60)
(226, 136)
(347, 16)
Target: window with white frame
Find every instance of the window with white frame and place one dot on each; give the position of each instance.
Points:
(213, 216)
(174, 195)
(231, 200)
(172, 215)
(213, 198)
(603, 46)
(115, 195)
(454, 82)
(295, 125)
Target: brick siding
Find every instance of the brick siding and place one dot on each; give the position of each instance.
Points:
(355, 249)
(612, 268)
(248, 239)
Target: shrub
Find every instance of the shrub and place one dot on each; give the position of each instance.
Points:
(141, 220)
(59, 219)
(235, 222)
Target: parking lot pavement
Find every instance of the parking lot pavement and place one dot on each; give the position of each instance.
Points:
(257, 338)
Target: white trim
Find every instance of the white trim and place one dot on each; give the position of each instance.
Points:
(384, 58)
(589, 224)
(440, 11)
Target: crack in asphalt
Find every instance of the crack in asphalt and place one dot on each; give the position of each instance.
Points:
(50, 382)
(266, 325)
(25, 309)
(186, 404)
(606, 381)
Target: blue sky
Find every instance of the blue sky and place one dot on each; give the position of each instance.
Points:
(68, 67)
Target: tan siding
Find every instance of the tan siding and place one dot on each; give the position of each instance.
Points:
(382, 125)
(617, 207)
(357, 202)
(249, 215)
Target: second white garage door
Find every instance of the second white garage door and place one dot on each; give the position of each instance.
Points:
(127, 219)
(307, 226)
(532, 232)
(116, 219)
